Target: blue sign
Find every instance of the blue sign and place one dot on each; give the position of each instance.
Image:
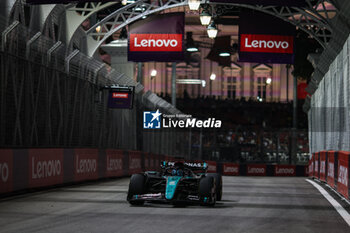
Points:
(152, 120)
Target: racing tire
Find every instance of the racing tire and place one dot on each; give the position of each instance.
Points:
(218, 184)
(136, 187)
(207, 189)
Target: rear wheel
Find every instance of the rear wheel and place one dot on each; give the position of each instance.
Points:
(136, 187)
(218, 183)
(207, 193)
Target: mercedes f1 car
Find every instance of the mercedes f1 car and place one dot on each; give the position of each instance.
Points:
(178, 183)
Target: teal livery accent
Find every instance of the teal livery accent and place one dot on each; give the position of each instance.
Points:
(171, 184)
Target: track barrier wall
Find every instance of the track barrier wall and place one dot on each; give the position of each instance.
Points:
(22, 169)
(332, 167)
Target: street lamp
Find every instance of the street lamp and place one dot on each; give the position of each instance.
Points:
(212, 30)
(193, 4)
(268, 81)
(205, 17)
(153, 73)
(212, 77)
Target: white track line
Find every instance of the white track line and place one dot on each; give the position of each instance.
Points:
(345, 215)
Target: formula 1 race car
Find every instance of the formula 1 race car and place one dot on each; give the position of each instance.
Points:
(178, 183)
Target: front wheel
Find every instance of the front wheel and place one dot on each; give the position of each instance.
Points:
(136, 187)
(218, 184)
(207, 193)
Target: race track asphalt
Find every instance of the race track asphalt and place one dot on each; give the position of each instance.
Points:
(250, 204)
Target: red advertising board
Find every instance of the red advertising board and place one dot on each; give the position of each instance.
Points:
(211, 167)
(311, 166)
(256, 170)
(134, 162)
(285, 170)
(343, 173)
(267, 43)
(6, 171)
(230, 169)
(323, 167)
(85, 164)
(331, 168)
(317, 166)
(45, 167)
(156, 42)
(114, 163)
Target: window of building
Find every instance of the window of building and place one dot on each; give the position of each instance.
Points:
(231, 87)
(261, 87)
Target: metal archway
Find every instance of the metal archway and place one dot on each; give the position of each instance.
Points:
(307, 19)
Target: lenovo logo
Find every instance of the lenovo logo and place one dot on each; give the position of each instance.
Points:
(323, 167)
(316, 166)
(330, 170)
(135, 163)
(114, 164)
(86, 165)
(266, 43)
(155, 42)
(43, 169)
(285, 171)
(343, 175)
(120, 95)
(231, 169)
(256, 170)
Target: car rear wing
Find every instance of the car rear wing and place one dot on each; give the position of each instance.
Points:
(195, 166)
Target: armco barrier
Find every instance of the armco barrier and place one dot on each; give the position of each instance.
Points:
(323, 165)
(343, 173)
(22, 169)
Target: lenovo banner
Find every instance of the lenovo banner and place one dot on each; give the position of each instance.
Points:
(317, 165)
(114, 163)
(285, 170)
(6, 171)
(256, 170)
(332, 165)
(311, 166)
(263, 43)
(157, 38)
(134, 162)
(323, 165)
(121, 97)
(211, 167)
(45, 167)
(299, 3)
(85, 164)
(343, 173)
(230, 169)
